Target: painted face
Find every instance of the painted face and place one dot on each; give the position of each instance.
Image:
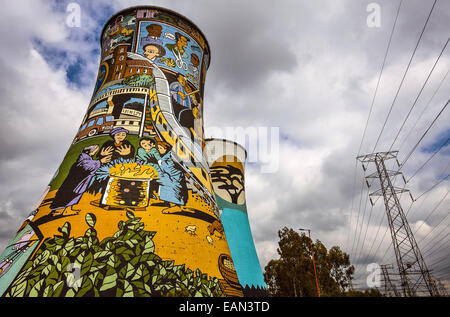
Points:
(146, 145)
(151, 52)
(120, 136)
(161, 149)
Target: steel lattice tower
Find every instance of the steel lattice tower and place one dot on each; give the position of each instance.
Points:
(389, 287)
(415, 277)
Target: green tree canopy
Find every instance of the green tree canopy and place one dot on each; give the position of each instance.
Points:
(293, 273)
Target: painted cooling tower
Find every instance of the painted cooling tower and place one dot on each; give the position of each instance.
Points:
(227, 165)
(131, 210)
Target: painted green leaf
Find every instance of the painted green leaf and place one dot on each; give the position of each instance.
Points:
(109, 282)
(128, 289)
(130, 214)
(36, 288)
(59, 241)
(129, 270)
(65, 229)
(138, 273)
(102, 254)
(149, 246)
(48, 292)
(69, 244)
(90, 220)
(41, 258)
(113, 261)
(70, 293)
(18, 290)
(87, 263)
(198, 294)
(46, 270)
(57, 288)
(85, 287)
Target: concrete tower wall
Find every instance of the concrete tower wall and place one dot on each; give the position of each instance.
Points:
(131, 210)
(227, 166)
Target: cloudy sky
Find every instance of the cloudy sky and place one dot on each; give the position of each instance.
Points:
(308, 67)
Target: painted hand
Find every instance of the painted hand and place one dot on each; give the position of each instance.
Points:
(107, 151)
(124, 149)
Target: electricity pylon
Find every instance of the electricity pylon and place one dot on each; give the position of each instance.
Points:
(389, 287)
(413, 271)
(442, 289)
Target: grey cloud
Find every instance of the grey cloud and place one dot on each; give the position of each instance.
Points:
(309, 67)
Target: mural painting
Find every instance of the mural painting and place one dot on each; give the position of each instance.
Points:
(131, 210)
(227, 167)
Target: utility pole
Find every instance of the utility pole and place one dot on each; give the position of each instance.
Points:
(414, 274)
(314, 263)
(389, 287)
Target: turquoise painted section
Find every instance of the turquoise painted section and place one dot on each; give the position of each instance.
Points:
(240, 240)
(222, 203)
(14, 257)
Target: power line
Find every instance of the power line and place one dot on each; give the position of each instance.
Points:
(432, 211)
(438, 249)
(365, 234)
(432, 187)
(437, 235)
(373, 102)
(424, 109)
(379, 77)
(435, 152)
(423, 135)
(420, 92)
(375, 239)
(446, 257)
(362, 225)
(407, 213)
(357, 219)
(429, 215)
(442, 220)
(404, 75)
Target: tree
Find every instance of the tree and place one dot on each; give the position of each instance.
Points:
(293, 274)
(232, 180)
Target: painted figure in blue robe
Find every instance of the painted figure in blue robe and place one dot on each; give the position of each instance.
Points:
(172, 182)
(77, 181)
(182, 93)
(147, 154)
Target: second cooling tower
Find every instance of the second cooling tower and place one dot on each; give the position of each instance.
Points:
(227, 167)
